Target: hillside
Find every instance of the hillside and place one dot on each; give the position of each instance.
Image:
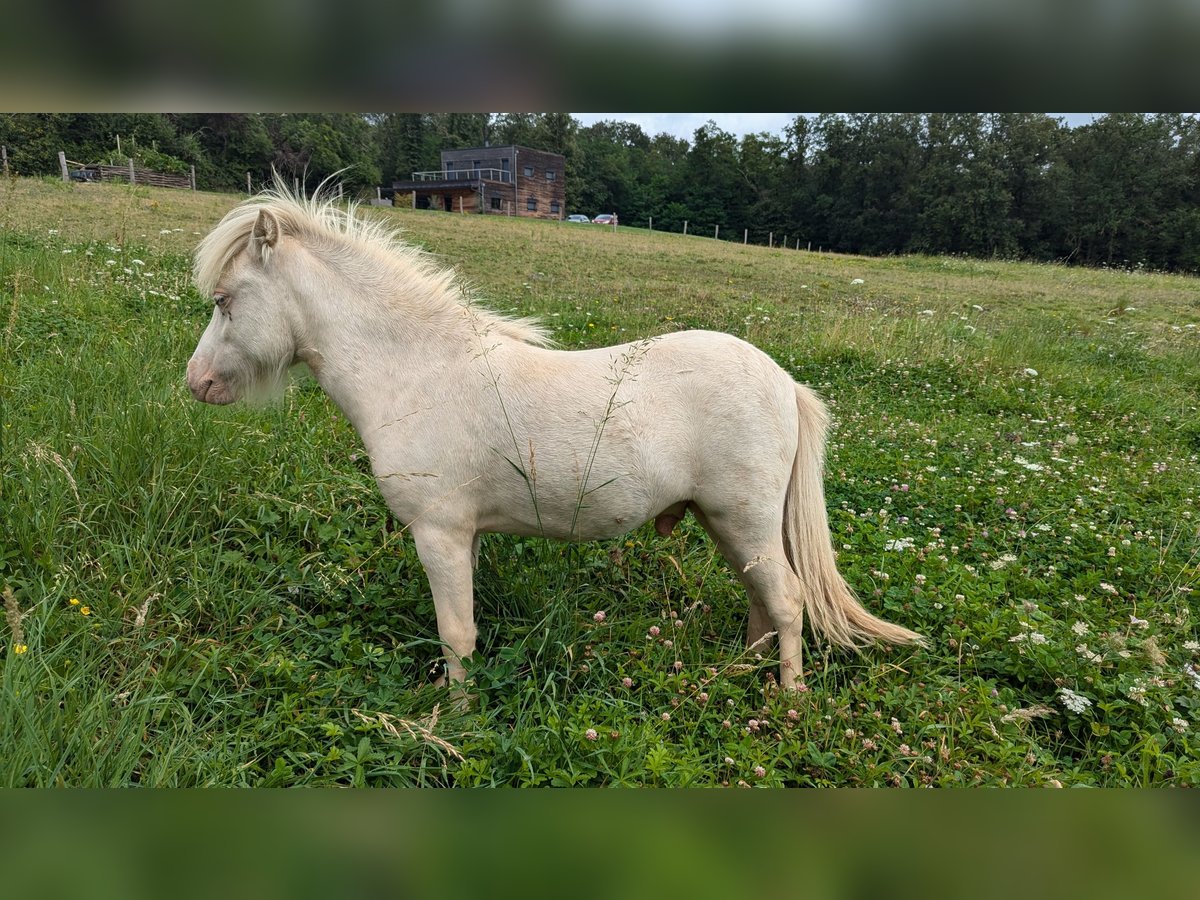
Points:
(219, 596)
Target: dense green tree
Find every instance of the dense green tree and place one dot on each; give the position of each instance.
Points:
(1121, 191)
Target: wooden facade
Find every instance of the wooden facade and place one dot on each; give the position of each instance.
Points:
(512, 181)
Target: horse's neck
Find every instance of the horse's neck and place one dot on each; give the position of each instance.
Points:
(372, 353)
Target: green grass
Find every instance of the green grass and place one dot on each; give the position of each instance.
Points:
(254, 617)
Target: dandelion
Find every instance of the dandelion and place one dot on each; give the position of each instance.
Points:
(1076, 703)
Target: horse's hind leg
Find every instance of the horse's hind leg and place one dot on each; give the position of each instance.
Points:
(756, 552)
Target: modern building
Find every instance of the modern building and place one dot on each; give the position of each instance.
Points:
(512, 181)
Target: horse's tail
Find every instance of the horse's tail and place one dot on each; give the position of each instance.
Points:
(833, 611)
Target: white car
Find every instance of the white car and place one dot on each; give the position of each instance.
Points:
(578, 218)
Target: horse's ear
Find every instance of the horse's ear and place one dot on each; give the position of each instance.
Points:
(265, 233)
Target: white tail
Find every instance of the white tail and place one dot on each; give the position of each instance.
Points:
(833, 610)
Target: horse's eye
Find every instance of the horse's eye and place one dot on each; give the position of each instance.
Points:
(222, 300)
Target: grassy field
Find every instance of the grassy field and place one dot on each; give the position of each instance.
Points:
(217, 596)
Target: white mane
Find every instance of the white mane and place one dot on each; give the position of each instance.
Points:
(372, 247)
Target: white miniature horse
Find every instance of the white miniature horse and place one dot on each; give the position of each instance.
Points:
(474, 425)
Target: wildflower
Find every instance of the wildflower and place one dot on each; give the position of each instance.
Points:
(590, 734)
(1080, 628)
(760, 772)
(654, 629)
(1179, 724)
(1192, 674)
(856, 281)
(18, 649)
(702, 697)
(85, 610)
(1032, 373)
(666, 717)
(1074, 702)
(792, 714)
(1140, 623)
(729, 760)
(74, 601)
(600, 616)
(1191, 645)
(627, 682)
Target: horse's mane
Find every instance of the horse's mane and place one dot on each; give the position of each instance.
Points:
(321, 221)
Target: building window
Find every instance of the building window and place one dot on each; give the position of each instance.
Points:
(495, 203)
(529, 171)
(531, 204)
(550, 174)
(554, 207)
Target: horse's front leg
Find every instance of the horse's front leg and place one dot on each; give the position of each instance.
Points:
(448, 557)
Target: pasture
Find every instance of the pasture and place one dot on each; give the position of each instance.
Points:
(218, 596)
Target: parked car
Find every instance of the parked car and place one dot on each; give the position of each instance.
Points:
(578, 218)
(605, 219)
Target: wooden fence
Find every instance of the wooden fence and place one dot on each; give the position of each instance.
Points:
(128, 173)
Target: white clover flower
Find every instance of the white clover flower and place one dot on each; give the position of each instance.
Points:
(1032, 373)
(1072, 701)
(1080, 628)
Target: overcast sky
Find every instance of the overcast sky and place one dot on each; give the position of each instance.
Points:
(684, 125)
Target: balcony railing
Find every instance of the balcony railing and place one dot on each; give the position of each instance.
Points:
(464, 175)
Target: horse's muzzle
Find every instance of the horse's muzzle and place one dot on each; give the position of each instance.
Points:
(206, 387)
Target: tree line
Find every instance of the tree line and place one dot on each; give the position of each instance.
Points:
(1123, 190)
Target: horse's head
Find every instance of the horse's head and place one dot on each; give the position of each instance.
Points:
(249, 343)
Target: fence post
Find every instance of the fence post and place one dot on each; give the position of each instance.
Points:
(745, 234)
(296, 186)
(378, 193)
(62, 164)
(770, 240)
(784, 244)
(685, 226)
(716, 231)
(248, 191)
(132, 177)
(414, 199)
(809, 245)
(192, 179)
(4, 157)
(339, 190)
(651, 220)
